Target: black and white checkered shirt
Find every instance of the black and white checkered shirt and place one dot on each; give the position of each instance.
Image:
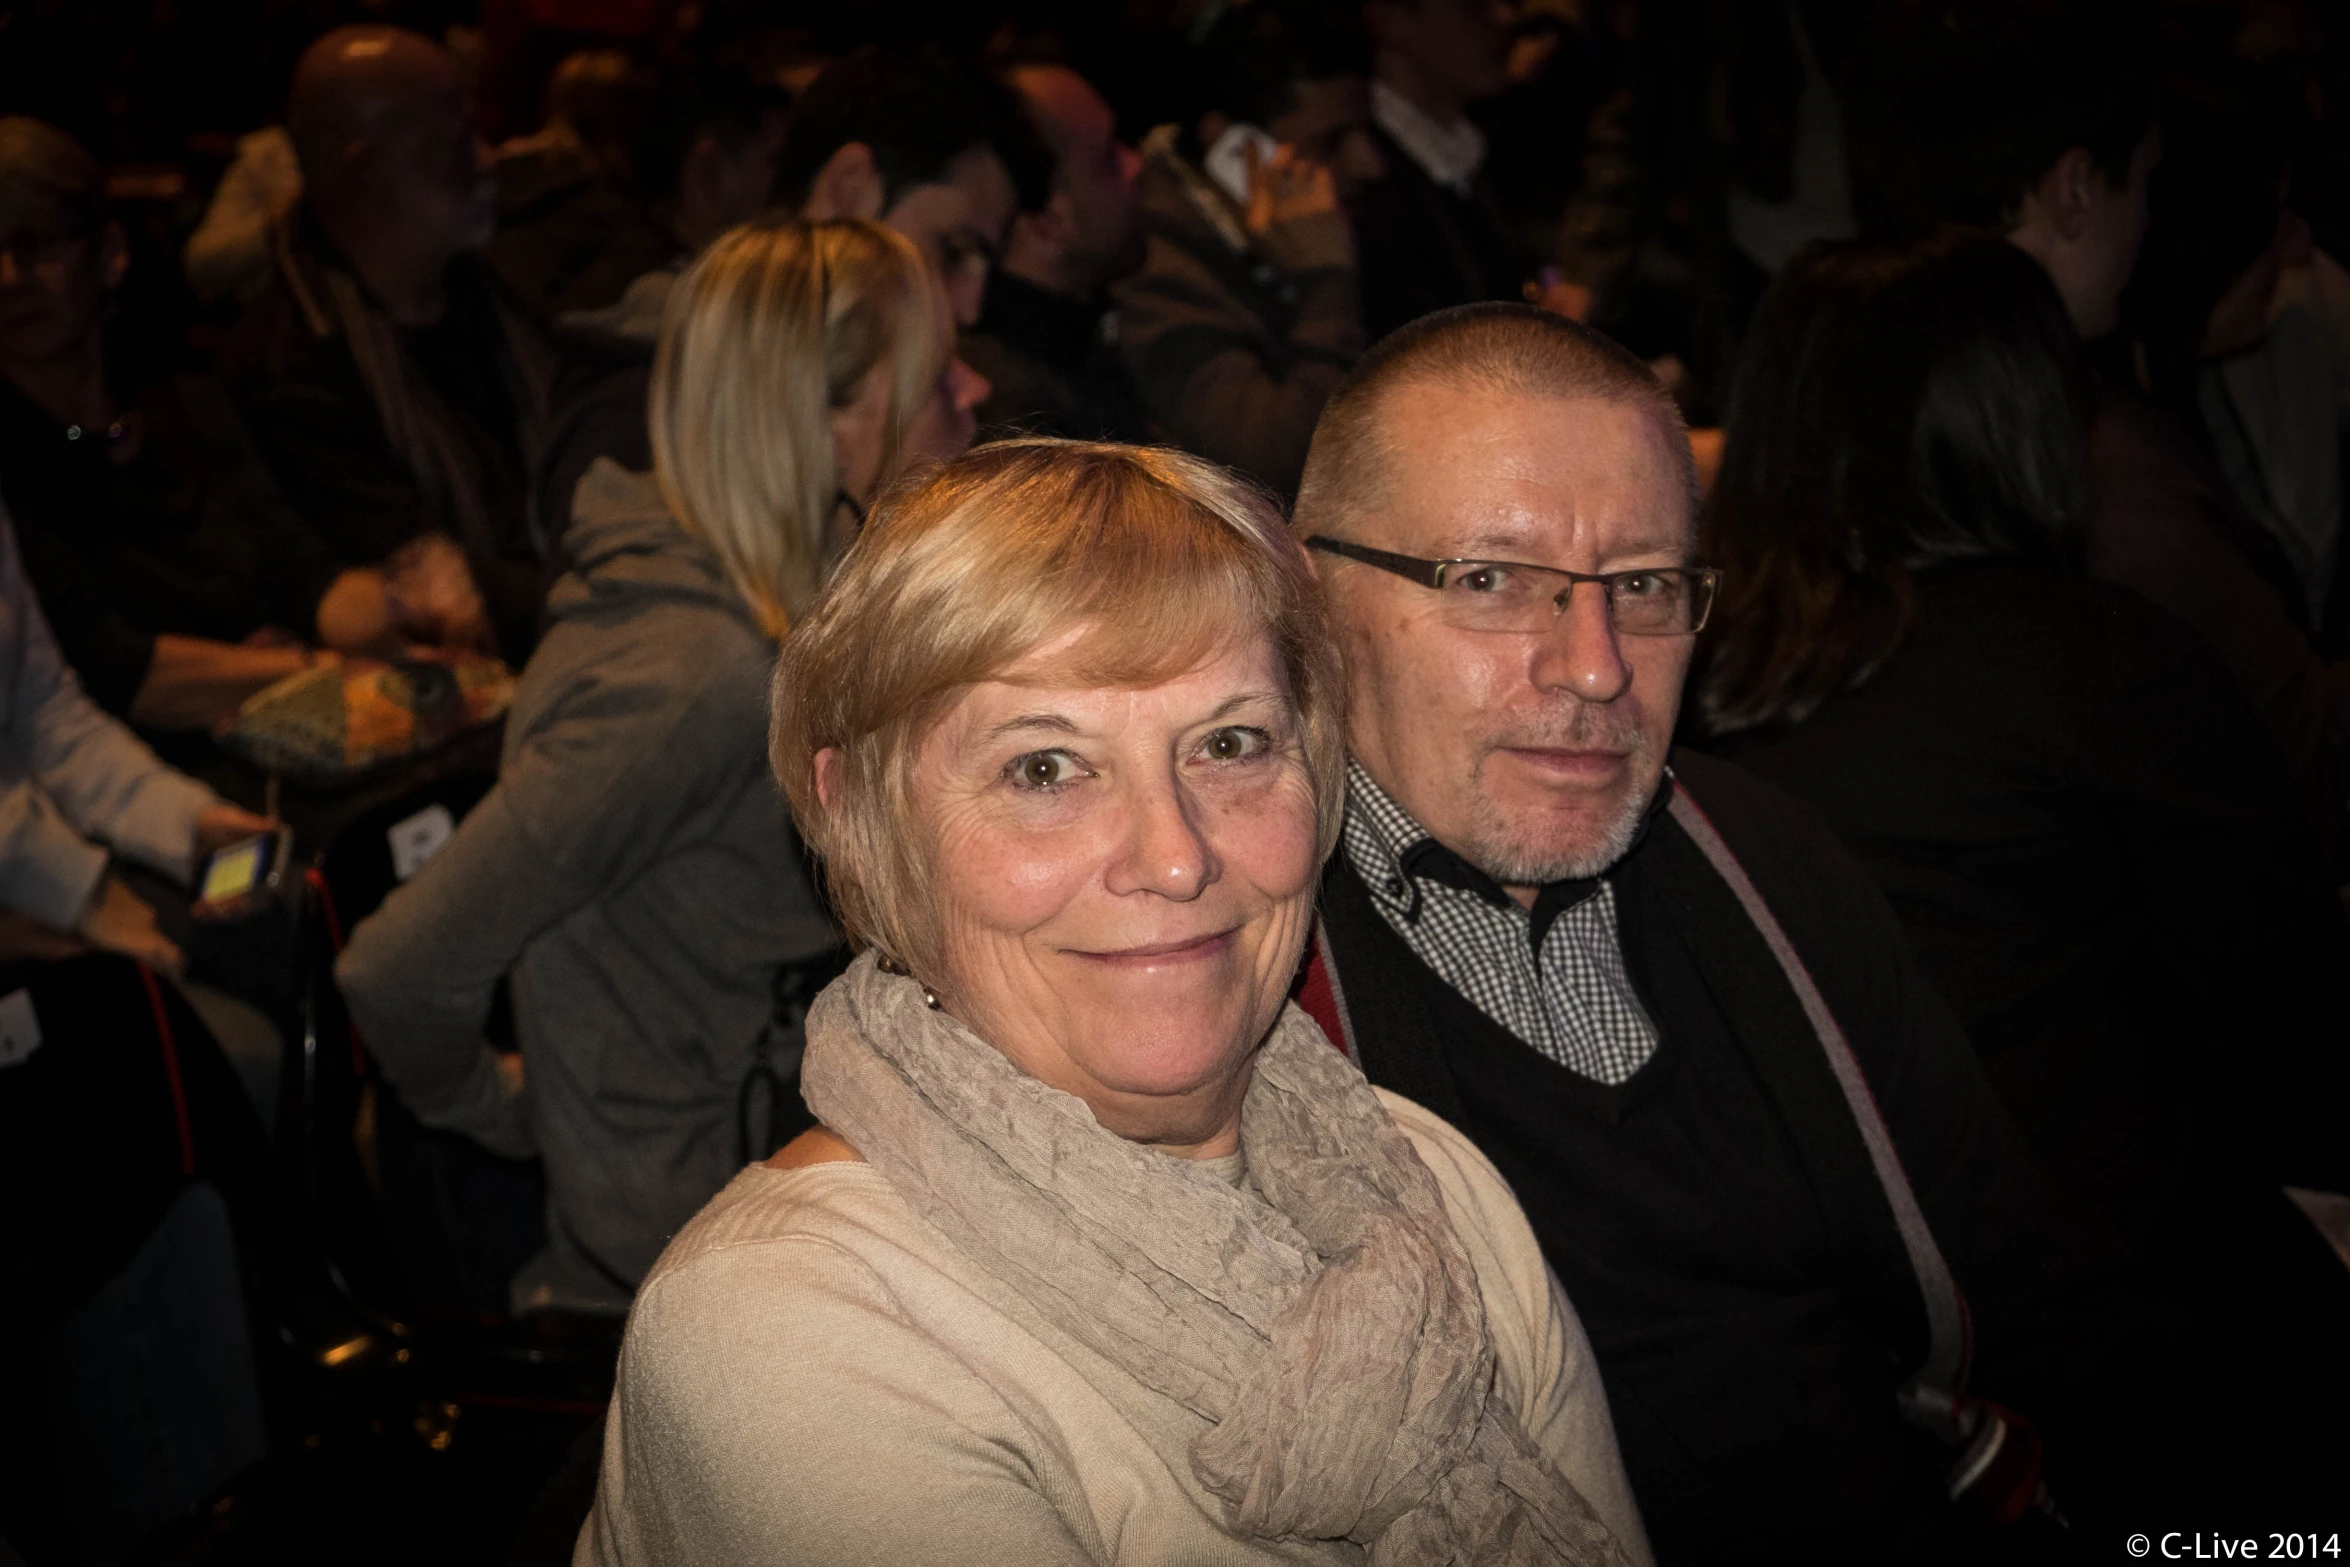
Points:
(1554, 975)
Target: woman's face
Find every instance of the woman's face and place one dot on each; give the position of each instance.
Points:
(1124, 879)
(940, 428)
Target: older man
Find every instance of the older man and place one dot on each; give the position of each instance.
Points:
(394, 393)
(1679, 1019)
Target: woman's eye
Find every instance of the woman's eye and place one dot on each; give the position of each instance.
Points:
(1043, 769)
(1234, 745)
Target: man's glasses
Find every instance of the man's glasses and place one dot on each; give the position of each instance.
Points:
(1509, 595)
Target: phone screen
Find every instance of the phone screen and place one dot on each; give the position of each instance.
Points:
(236, 870)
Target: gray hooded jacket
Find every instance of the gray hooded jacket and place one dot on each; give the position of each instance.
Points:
(636, 872)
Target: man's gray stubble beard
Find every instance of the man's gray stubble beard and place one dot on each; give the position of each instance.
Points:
(1495, 849)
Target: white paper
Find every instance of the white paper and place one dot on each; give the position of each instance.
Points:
(418, 838)
(20, 1028)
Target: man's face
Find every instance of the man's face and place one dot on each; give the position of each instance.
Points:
(1462, 46)
(52, 279)
(1329, 121)
(430, 175)
(959, 223)
(1093, 171)
(1532, 755)
(2109, 241)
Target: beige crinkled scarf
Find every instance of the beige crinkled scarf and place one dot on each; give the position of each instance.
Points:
(1331, 1329)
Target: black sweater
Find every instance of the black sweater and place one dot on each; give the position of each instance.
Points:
(1714, 1218)
(2093, 846)
(189, 537)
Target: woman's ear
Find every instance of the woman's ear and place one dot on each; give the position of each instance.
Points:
(828, 779)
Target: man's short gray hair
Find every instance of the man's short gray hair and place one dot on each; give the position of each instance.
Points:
(1513, 350)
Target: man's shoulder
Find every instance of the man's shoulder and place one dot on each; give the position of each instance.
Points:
(1803, 871)
(1747, 810)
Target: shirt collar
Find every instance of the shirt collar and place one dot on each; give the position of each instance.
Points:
(1450, 155)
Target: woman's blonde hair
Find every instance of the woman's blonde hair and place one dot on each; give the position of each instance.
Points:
(775, 326)
(1163, 557)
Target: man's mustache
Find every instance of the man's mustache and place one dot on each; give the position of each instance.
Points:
(1586, 727)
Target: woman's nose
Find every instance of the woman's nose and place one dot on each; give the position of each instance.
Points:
(1581, 653)
(1165, 853)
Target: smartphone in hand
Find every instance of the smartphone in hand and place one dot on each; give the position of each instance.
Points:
(242, 877)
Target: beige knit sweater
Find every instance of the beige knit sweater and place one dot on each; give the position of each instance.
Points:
(814, 1376)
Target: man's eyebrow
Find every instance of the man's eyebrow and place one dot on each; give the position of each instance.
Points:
(1490, 546)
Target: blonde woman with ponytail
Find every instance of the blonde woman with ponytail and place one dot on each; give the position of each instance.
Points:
(634, 873)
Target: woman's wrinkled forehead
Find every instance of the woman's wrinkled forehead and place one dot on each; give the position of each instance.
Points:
(1116, 653)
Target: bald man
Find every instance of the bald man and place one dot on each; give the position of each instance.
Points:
(1754, 1145)
(392, 389)
(1044, 341)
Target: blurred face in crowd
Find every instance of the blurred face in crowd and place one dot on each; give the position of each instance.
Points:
(2086, 231)
(426, 173)
(1125, 877)
(1532, 755)
(1091, 218)
(958, 223)
(1458, 49)
(54, 274)
(940, 428)
(1329, 121)
(726, 180)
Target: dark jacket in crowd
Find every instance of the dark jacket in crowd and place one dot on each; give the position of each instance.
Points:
(1715, 1218)
(190, 536)
(2161, 522)
(1052, 366)
(1233, 358)
(379, 434)
(2094, 849)
(635, 873)
(1426, 248)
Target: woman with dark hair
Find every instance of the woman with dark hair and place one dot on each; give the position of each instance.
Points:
(2086, 832)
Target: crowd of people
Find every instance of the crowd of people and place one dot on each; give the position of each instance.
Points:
(1281, 780)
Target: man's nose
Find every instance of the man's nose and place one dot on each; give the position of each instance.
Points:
(966, 387)
(1165, 852)
(1581, 653)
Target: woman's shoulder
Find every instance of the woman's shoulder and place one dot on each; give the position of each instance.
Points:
(2034, 610)
(2078, 650)
(810, 1219)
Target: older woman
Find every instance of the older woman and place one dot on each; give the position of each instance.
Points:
(633, 870)
(1101, 1253)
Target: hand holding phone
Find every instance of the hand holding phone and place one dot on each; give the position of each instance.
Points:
(241, 877)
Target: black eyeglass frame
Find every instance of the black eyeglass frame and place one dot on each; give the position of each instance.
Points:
(1705, 580)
